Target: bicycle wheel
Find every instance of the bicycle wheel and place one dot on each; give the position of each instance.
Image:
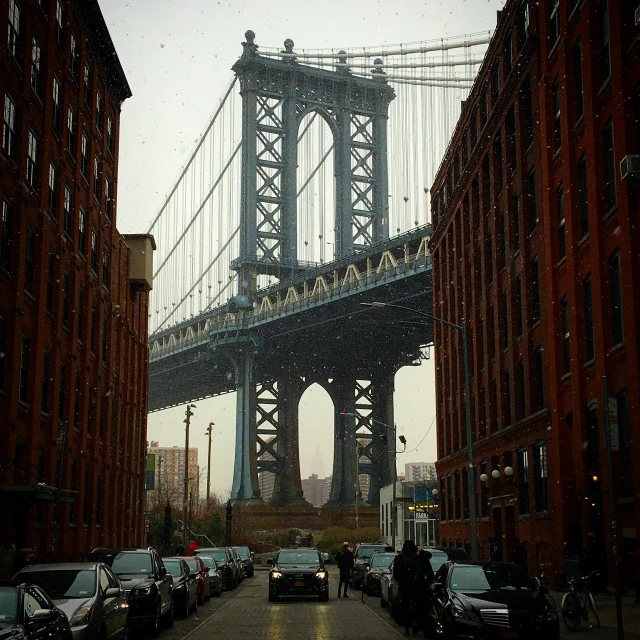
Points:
(594, 611)
(571, 611)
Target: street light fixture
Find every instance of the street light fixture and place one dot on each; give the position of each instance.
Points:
(473, 508)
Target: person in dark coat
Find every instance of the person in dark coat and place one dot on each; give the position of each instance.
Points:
(405, 569)
(520, 556)
(345, 561)
(424, 578)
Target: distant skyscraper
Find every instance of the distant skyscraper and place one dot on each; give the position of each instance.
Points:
(419, 471)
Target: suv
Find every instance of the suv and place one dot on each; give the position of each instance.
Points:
(363, 553)
(226, 563)
(148, 587)
(246, 557)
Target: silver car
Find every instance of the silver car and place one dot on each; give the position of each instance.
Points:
(89, 594)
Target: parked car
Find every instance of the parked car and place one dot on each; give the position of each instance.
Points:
(147, 584)
(27, 613)
(225, 560)
(362, 553)
(246, 558)
(298, 572)
(489, 599)
(378, 564)
(185, 588)
(215, 575)
(88, 593)
(238, 561)
(201, 572)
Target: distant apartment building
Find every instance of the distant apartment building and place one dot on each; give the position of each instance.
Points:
(419, 471)
(266, 479)
(169, 475)
(316, 490)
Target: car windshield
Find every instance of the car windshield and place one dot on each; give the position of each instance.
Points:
(208, 561)
(218, 556)
(365, 551)
(131, 563)
(298, 557)
(192, 563)
(437, 560)
(381, 560)
(243, 552)
(8, 605)
(489, 578)
(63, 583)
(174, 567)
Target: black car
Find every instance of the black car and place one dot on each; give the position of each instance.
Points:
(185, 588)
(378, 564)
(27, 613)
(148, 586)
(487, 600)
(298, 572)
(226, 563)
(362, 553)
(246, 558)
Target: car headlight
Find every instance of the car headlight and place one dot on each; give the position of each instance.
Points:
(140, 593)
(458, 611)
(82, 617)
(276, 574)
(321, 574)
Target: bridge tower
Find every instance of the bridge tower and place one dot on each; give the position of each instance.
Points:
(276, 95)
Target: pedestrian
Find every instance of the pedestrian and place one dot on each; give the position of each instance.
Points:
(424, 578)
(520, 556)
(345, 561)
(192, 547)
(636, 570)
(180, 550)
(404, 572)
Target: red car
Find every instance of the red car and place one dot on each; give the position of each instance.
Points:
(197, 568)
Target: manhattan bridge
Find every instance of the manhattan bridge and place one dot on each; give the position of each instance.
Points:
(306, 196)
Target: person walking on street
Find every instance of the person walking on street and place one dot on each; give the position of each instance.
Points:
(636, 570)
(520, 556)
(345, 561)
(404, 572)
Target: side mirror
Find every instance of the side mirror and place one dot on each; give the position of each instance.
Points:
(111, 592)
(206, 569)
(42, 615)
(253, 555)
(435, 587)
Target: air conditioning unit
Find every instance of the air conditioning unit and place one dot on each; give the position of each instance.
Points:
(630, 166)
(638, 15)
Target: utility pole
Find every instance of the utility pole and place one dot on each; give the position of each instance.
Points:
(185, 496)
(209, 462)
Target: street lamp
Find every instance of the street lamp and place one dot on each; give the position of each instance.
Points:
(208, 432)
(403, 441)
(473, 511)
(185, 496)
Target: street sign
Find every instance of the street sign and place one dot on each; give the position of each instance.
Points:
(150, 478)
(421, 515)
(146, 526)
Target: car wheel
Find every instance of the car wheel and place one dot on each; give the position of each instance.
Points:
(169, 617)
(156, 622)
(185, 606)
(200, 598)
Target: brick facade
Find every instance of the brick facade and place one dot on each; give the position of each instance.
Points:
(535, 247)
(73, 327)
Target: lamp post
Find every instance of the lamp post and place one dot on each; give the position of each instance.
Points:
(434, 494)
(395, 471)
(185, 496)
(208, 432)
(473, 515)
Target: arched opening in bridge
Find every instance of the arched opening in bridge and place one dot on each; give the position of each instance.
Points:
(316, 415)
(316, 190)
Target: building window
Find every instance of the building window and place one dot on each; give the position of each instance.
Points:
(518, 306)
(578, 87)
(484, 492)
(521, 394)
(94, 251)
(523, 482)
(59, 24)
(494, 406)
(9, 128)
(484, 108)
(87, 83)
(522, 23)
(110, 135)
(61, 389)
(46, 380)
(51, 264)
(557, 129)
(566, 339)
(562, 240)
(6, 239)
(539, 377)
(53, 191)
(450, 513)
(626, 457)
(74, 62)
(99, 111)
(96, 178)
(32, 160)
(30, 261)
(66, 285)
(610, 196)
(532, 212)
(84, 156)
(507, 399)
(516, 223)
(68, 210)
(480, 342)
(615, 288)
(535, 291)
(465, 151)
(605, 49)
(582, 195)
(57, 107)
(13, 36)
(82, 231)
(105, 267)
(456, 489)
(108, 204)
(587, 298)
(541, 489)
(554, 22)
(80, 314)
(491, 332)
(71, 131)
(25, 356)
(526, 108)
(36, 67)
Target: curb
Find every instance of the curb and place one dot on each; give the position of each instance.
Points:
(383, 620)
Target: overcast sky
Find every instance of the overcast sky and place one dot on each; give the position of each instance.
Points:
(177, 56)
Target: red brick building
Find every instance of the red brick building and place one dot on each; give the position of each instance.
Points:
(73, 291)
(536, 247)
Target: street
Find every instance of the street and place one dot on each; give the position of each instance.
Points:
(246, 613)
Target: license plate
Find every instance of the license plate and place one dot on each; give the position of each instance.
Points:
(298, 583)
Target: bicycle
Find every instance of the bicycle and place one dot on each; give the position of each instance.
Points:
(578, 601)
